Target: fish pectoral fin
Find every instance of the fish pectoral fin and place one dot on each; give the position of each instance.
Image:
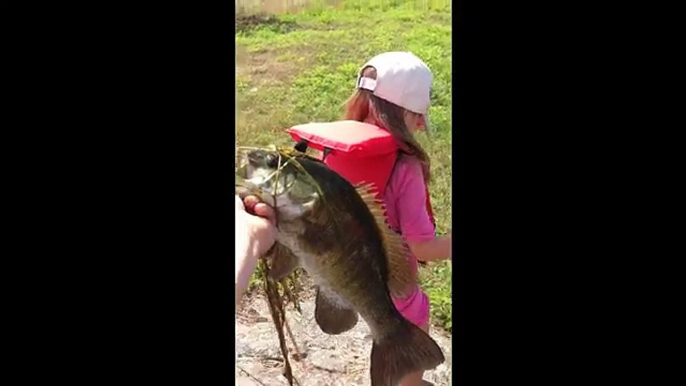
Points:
(283, 262)
(407, 352)
(332, 317)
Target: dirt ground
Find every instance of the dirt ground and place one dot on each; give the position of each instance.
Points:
(330, 360)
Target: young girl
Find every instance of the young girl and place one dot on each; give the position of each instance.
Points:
(393, 93)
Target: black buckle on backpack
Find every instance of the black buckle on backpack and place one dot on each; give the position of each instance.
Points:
(326, 152)
(301, 146)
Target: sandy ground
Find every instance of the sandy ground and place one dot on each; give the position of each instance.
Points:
(336, 360)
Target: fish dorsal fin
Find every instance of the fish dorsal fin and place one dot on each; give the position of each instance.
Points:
(400, 276)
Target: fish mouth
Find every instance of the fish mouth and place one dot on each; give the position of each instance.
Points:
(262, 158)
(253, 187)
(259, 175)
(272, 177)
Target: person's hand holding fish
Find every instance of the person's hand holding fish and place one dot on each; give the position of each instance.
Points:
(255, 234)
(260, 223)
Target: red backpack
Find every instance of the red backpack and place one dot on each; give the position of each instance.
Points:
(359, 152)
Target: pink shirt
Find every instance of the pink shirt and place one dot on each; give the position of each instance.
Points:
(405, 200)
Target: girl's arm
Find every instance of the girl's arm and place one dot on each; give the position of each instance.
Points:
(431, 250)
(413, 219)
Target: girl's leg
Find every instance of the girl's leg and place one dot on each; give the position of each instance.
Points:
(415, 379)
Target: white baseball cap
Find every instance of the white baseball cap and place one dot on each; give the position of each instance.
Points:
(402, 79)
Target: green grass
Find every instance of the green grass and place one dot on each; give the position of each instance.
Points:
(301, 67)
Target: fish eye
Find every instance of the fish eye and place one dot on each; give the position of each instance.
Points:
(272, 161)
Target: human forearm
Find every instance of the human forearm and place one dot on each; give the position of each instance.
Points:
(439, 248)
(246, 261)
(255, 234)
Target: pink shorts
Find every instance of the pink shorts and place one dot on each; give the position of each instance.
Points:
(415, 307)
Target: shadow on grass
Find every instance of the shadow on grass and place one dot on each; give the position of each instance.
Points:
(248, 23)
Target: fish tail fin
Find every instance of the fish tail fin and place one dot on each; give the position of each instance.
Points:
(409, 351)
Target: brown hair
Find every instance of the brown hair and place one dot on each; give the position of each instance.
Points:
(389, 116)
